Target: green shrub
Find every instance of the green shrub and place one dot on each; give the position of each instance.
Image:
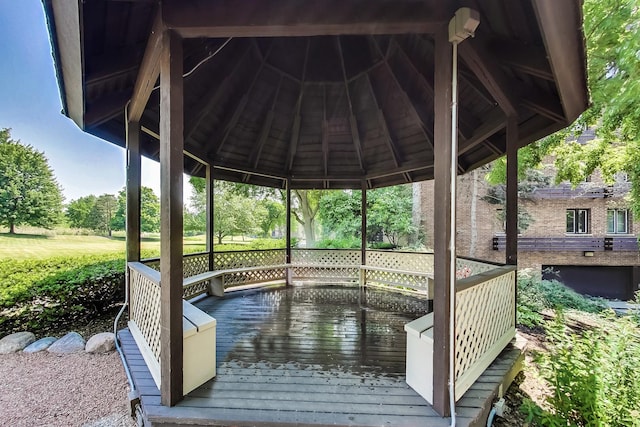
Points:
(594, 376)
(382, 245)
(339, 243)
(536, 295)
(41, 295)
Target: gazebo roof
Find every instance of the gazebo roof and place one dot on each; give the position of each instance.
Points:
(326, 93)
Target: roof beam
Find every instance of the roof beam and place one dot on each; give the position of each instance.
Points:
(544, 104)
(491, 123)
(353, 123)
(530, 60)
(105, 109)
(564, 44)
(148, 73)
(266, 128)
(294, 18)
(499, 85)
(295, 130)
(391, 145)
(211, 98)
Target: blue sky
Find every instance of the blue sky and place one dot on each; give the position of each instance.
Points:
(30, 105)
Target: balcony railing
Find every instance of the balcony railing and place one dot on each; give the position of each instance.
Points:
(571, 243)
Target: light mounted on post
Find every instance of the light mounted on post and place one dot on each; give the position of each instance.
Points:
(463, 24)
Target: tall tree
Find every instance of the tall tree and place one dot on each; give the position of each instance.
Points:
(305, 208)
(78, 211)
(149, 211)
(29, 193)
(612, 32)
(390, 211)
(102, 214)
(340, 214)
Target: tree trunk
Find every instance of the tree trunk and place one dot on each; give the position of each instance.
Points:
(12, 228)
(308, 216)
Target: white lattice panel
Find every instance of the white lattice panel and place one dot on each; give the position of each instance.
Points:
(328, 273)
(419, 283)
(419, 261)
(195, 264)
(194, 290)
(152, 263)
(255, 276)
(485, 314)
(240, 259)
(325, 256)
(475, 267)
(144, 308)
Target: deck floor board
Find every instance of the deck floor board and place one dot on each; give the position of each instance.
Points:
(308, 356)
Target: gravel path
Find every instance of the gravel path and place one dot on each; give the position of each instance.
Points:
(82, 389)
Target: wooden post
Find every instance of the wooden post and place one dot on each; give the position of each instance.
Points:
(512, 191)
(209, 188)
(363, 210)
(288, 232)
(133, 191)
(444, 243)
(171, 170)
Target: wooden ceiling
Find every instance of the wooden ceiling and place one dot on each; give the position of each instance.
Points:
(327, 93)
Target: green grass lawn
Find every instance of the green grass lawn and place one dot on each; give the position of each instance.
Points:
(42, 246)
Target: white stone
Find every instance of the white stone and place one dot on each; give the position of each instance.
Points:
(16, 342)
(103, 342)
(40, 345)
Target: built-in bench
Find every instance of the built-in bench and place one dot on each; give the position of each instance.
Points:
(420, 356)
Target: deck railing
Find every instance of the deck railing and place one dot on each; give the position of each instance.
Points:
(485, 295)
(144, 310)
(485, 322)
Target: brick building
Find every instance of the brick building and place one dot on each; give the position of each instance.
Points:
(584, 236)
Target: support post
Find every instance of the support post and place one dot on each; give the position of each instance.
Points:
(512, 191)
(171, 221)
(209, 188)
(133, 191)
(444, 241)
(288, 232)
(363, 233)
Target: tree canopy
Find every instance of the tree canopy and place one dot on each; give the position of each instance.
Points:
(612, 32)
(149, 211)
(29, 193)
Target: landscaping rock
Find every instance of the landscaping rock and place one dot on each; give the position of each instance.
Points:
(40, 345)
(70, 343)
(101, 343)
(16, 342)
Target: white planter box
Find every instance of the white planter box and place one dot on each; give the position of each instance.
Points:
(420, 356)
(199, 352)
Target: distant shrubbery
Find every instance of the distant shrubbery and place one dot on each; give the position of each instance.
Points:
(536, 295)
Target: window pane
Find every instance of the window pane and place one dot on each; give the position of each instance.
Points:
(582, 221)
(621, 221)
(571, 228)
(611, 221)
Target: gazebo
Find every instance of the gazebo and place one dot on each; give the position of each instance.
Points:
(317, 95)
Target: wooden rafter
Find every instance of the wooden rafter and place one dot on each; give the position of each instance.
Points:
(353, 123)
(483, 65)
(293, 18)
(241, 105)
(149, 72)
(266, 128)
(325, 133)
(212, 98)
(491, 123)
(106, 109)
(391, 145)
(295, 130)
(407, 101)
(530, 60)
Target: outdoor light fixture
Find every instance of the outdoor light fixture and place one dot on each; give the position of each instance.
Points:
(463, 24)
(588, 253)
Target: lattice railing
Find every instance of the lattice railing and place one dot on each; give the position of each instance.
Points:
(466, 267)
(325, 256)
(144, 305)
(193, 264)
(241, 259)
(485, 322)
(409, 261)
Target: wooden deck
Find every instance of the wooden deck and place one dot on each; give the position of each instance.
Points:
(311, 356)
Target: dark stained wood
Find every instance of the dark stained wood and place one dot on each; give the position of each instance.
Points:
(512, 192)
(363, 224)
(565, 50)
(288, 224)
(484, 66)
(200, 18)
(133, 191)
(492, 123)
(444, 242)
(530, 60)
(317, 355)
(209, 188)
(148, 73)
(171, 221)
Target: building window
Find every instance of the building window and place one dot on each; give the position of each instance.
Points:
(617, 221)
(578, 221)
